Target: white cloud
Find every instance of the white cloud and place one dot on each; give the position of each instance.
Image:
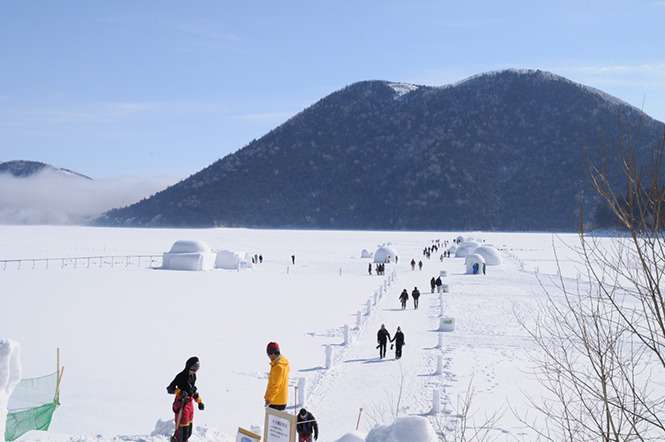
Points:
(53, 198)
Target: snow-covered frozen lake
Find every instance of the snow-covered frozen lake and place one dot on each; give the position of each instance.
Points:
(125, 332)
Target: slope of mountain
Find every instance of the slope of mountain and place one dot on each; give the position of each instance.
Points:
(25, 169)
(501, 150)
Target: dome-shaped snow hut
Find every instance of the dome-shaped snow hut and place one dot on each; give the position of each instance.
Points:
(466, 248)
(489, 254)
(384, 254)
(189, 255)
(470, 262)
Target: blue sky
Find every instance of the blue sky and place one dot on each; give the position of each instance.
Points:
(145, 88)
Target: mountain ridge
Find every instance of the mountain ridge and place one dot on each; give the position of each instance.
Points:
(499, 150)
(27, 168)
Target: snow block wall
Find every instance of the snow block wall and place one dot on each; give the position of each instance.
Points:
(10, 375)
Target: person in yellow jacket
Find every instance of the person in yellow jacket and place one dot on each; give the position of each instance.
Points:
(277, 391)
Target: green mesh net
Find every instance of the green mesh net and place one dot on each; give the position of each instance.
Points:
(32, 405)
(21, 421)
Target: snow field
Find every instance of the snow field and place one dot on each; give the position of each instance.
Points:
(124, 333)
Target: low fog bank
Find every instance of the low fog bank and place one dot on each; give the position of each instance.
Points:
(51, 197)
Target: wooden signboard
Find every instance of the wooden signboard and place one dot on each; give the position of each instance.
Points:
(247, 436)
(280, 426)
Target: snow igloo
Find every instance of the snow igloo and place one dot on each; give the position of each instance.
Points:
(466, 248)
(489, 254)
(230, 260)
(384, 254)
(474, 259)
(189, 255)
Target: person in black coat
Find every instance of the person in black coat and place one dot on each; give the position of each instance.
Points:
(184, 387)
(399, 342)
(416, 295)
(382, 338)
(403, 298)
(432, 283)
(369, 269)
(306, 426)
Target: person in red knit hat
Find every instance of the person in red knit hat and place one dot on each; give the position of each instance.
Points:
(277, 391)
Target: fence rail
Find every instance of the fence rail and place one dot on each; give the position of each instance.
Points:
(107, 261)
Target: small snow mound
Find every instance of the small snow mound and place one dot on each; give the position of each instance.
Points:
(402, 88)
(352, 437)
(404, 429)
(163, 428)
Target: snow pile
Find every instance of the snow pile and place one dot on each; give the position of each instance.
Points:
(189, 255)
(404, 429)
(385, 254)
(10, 375)
(352, 437)
(364, 253)
(489, 254)
(166, 428)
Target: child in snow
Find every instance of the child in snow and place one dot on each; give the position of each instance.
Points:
(184, 388)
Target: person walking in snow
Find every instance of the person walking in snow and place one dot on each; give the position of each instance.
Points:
(420, 265)
(293, 259)
(306, 426)
(184, 388)
(277, 390)
(415, 294)
(413, 264)
(382, 338)
(399, 342)
(260, 259)
(369, 269)
(432, 283)
(439, 284)
(484, 269)
(403, 298)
